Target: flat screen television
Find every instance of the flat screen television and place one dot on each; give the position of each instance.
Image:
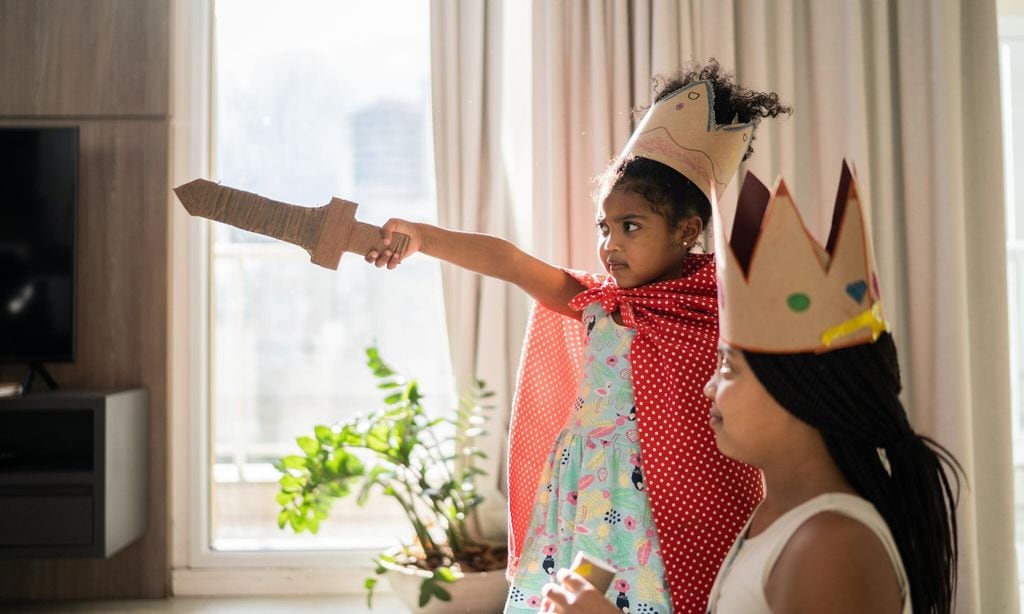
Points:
(38, 201)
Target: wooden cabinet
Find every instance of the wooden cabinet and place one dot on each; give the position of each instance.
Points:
(73, 473)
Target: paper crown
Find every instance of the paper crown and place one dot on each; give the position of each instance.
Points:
(780, 291)
(680, 131)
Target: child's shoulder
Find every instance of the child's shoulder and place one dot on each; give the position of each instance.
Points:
(842, 558)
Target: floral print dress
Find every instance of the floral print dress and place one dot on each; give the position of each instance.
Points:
(592, 496)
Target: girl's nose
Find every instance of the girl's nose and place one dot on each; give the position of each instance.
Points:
(610, 243)
(711, 387)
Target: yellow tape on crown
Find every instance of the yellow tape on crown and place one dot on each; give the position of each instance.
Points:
(869, 318)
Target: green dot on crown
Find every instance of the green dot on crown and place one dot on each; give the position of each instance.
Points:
(798, 301)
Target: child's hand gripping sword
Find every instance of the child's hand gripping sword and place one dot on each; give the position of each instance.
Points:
(325, 232)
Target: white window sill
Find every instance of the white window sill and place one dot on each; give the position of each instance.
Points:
(228, 581)
(234, 605)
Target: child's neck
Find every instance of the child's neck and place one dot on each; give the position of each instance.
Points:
(796, 479)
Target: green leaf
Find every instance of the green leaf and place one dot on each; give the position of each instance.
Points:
(377, 438)
(324, 434)
(442, 593)
(393, 399)
(412, 391)
(290, 483)
(284, 498)
(426, 591)
(369, 585)
(297, 520)
(294, 461)
(446, 574)
(333, 462)
(309, 445)
(282, 518)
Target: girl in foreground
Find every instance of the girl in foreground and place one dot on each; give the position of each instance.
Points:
(609, 451)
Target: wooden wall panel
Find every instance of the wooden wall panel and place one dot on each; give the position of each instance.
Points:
(103, 65)
(122, 325)
(84, 57)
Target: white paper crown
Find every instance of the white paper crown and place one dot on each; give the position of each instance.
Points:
(780, 291)
(680, 131)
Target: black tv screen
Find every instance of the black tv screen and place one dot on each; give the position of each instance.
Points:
(38, 197)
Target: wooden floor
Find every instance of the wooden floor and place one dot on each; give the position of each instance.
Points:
(382, 604)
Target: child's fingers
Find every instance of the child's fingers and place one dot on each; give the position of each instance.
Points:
(556, 598)
(387, 229)
(378, 259)
(394, 260)
(571, 580)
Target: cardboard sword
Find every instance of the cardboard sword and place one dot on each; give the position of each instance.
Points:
(325, 232)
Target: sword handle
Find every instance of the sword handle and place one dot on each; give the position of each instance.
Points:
(340, 232)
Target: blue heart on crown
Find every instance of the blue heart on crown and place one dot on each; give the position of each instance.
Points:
(857, 290)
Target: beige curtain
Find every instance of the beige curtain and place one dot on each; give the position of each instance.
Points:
(485, 318)
(890, 86)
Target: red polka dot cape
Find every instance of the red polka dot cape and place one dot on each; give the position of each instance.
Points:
(699, 498)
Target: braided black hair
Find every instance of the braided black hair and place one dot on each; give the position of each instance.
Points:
(851, 396)
(671, 194)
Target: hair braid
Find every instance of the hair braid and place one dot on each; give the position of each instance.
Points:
(851, 396)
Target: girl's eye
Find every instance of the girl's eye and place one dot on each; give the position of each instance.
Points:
(602, 229)
(723, 364)
(630, 226)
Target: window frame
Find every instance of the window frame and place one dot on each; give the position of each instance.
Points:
(1011, 28)
(197, 569)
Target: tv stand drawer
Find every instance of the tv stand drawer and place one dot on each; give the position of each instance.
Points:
(46, 520)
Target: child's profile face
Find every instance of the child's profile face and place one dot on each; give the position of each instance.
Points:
(635, 243)
(749, 425)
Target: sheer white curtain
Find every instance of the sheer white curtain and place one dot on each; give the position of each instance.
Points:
(892, 87)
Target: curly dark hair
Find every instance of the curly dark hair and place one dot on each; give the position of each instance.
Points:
(734, 104)
(672, 195)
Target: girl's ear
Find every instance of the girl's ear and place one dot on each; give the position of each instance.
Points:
(689, 230)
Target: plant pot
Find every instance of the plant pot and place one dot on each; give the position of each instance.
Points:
(477, 591)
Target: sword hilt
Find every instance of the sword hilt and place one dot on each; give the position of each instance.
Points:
(340, 232)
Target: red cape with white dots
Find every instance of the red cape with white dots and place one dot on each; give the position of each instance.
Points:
(699, 498)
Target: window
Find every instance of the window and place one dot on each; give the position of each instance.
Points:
(314, 99)
(1011, 59)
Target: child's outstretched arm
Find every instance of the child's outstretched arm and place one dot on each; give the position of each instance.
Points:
(487, 255)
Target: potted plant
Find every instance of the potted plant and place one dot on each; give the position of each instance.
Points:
(426, 465)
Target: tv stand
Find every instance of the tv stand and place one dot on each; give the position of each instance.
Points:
(73, 473)
(33, 369)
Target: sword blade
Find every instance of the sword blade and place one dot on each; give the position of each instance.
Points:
(248, 211)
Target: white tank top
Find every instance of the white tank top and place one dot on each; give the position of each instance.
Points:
(739, 587)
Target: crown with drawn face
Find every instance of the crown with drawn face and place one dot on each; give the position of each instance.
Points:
(780, 291)
(680, 132)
